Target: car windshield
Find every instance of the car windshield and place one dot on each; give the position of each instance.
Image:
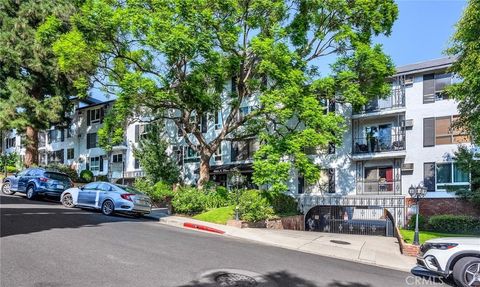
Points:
(57, 176)
(129, 189)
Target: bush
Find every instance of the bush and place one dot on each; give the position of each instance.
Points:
(283, 204)
(101, 178)
(253, 206)
(422, 222)
(72, 174)
(86, 175)
(11, 169)
(161, 191)
(189, 201)
(220, 197)
(454, 223)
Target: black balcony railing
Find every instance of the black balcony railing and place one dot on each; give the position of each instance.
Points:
(393, 101)
(380, 187)
(374, 144)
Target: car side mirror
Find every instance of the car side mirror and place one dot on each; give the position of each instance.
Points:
(15, 174)
(82, 187)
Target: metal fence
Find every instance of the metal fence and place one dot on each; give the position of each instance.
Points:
(373, 144)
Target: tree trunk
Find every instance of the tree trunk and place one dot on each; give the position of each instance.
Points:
(204, 170)
(31, 151)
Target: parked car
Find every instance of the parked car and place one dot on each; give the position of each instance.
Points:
(36, 181)
(456, 256)
(108, 197)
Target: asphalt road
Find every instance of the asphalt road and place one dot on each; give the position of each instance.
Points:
(44, 244)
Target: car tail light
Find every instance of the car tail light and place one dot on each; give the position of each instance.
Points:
(43, 179)
(127, 196)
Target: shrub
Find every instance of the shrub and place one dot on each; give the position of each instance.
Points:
(86, 175)
(422, 222)
(101, 178)
(282, 204)
(454, 223)
(11, 169)
(253, 206)
(189, 201)
(219, 197)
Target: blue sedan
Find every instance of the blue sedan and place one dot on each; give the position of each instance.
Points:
(107, 197)
(36, 181)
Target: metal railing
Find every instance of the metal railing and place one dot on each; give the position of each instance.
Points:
(374, 144)
(394, 101)
(380, 187)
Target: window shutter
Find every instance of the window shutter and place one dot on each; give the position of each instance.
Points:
(88, 118)
(429, 176)
(428, 132)
(234, 85)
(101, 163)
(331, 148)
(301, 184)
(62, 135)
(331, 180)
(50, 136)
(428, 88)
(233, 151)
(88, 166)
(137, 133)
(62, 156)
(204, 123)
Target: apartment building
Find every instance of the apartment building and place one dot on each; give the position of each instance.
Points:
(403, 140)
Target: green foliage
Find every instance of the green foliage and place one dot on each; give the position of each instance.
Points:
(465, 45)
(101, 178)
(217, 215)
(282, 204)
(72, 174)
(158, 192)
(189, 201)
(454, 223)
(11, 169)
(153, 157)
(427, 235)
(464, 158)
(253, 206)
(34, 93)
(9, 160)
(177, 55)
(86, 175)
(218, 197)
(422, 222)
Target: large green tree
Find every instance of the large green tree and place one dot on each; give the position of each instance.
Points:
(465, 46)
(34, 93)
(173, 58)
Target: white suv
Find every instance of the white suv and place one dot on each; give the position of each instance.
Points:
(456, 256)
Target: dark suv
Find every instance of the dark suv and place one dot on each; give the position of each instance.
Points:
(37, 181)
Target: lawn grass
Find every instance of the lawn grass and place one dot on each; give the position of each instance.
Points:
(217, 215)
(426, 235)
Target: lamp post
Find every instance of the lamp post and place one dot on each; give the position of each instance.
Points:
(417, 193)
(236, 180)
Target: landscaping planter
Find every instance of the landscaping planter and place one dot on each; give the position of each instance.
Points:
(289, 222)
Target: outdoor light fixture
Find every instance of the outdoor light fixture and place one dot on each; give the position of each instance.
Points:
(417, 193)
(237, 180)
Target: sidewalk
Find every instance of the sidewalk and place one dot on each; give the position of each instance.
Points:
(373, 250)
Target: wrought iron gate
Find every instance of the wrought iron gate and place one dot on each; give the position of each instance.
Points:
(362, 220)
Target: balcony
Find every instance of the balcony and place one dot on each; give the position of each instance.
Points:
(380, 146)
(379, 106)
(379, 187)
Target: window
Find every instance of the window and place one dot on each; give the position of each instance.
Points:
(70, 153)
(96, 163)
(243, 111)
(439, 131)
(56, 156)
(10, 142)
(117, 158)
(378, 179)
(56, 136)
(433, 86)
(95, 116)
(218, 153)
(218, 120)
(190, 155)
(92, 140)
(136, 164)
(91, 186)
(68, 132)
(449, 175)
(141, 131)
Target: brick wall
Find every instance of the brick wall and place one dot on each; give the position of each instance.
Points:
(437, 206)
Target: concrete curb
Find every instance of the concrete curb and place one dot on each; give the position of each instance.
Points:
(202, 227)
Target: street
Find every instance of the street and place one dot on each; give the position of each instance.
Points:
(44, 244)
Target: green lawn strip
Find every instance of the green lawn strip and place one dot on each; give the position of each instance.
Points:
(217, 215)
(426, 235)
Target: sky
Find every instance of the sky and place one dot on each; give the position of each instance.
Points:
(422, 30)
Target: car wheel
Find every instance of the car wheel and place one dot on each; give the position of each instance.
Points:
(67, 200)
(466, 272)
(108, 207)
(31, 194)
(6, 189)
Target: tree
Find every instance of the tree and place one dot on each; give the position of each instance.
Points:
(465, 158)
(172, 59)
(34, 93)
(465, 46)
(153, 157)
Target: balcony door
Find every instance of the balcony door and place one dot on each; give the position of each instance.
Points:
(379, 137)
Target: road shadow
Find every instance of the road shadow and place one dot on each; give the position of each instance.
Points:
(21, 199)
(42, 216)
(347, 284)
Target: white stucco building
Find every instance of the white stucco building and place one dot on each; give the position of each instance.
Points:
(390, 145)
